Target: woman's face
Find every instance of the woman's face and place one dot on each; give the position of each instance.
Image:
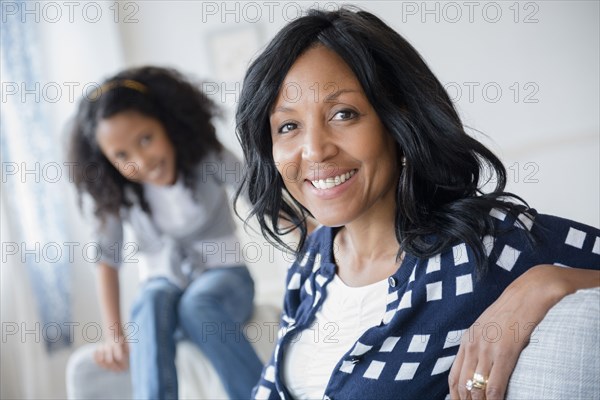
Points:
(329, 145)
(139, 147)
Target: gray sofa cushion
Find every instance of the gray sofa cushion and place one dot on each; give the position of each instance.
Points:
(562, 360)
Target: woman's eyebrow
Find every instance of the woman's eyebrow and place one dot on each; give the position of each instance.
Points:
(282, 109)
(333, 96)
(329, 98)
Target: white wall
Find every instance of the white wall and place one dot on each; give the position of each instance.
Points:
(552, 143)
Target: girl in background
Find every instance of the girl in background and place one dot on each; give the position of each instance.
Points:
(148, 133)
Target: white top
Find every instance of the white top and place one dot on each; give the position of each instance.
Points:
(177, 214)
(187, 231)
(346, 314)
(174, 210)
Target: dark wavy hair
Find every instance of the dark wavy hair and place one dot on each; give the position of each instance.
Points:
(438, 198)
(160, 93)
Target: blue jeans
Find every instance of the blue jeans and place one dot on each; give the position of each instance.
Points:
(210, 312)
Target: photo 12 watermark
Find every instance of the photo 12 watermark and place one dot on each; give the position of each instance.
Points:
(227, 253)
(493, 92)
(66, 171)
(68, 252)
(51, 91)
(53, 332)
(49, 172)
(517, 172)
(451, 12)
(265, 11)
(466, 91)
(48, 92)
(53, 12)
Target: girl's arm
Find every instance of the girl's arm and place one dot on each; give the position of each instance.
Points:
(520, 308)
(113, 354)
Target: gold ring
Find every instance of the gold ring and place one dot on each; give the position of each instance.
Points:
(478, 381)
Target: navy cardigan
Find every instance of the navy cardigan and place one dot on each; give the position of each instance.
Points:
(430, 305)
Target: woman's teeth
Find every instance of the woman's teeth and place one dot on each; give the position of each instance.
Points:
(333, 181)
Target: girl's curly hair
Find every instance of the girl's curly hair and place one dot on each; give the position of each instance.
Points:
(160, 93)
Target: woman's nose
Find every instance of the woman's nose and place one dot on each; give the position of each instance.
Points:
(319, 145)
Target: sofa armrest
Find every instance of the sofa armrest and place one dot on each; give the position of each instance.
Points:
(198, 379)
(562, 360)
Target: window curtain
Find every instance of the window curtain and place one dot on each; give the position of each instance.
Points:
(47, 280)
(31, 194)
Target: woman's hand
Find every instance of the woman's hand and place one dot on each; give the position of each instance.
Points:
(491, 347)
(113, 355)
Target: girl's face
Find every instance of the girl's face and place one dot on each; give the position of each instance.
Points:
(329, 145)
(139, 147)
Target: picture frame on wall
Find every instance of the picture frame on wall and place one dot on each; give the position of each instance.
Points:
(231, 50)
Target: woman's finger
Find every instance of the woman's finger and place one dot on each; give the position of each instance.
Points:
(468, 368)
(499, 376)
(479, 380)
(454, 377)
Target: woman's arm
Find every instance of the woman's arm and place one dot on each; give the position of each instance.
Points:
(113, 354)
(514, 315)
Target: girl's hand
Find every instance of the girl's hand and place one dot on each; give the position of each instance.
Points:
(113, 356)
(491, 347)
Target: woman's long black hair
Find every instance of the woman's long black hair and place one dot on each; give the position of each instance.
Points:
(438, 197)
(160, 93)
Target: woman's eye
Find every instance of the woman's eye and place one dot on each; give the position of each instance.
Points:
(344, 115)
(287, 127)
(120, 156)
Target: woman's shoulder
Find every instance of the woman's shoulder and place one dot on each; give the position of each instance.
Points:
(531, 238)
(564, 233)
(545, 226)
